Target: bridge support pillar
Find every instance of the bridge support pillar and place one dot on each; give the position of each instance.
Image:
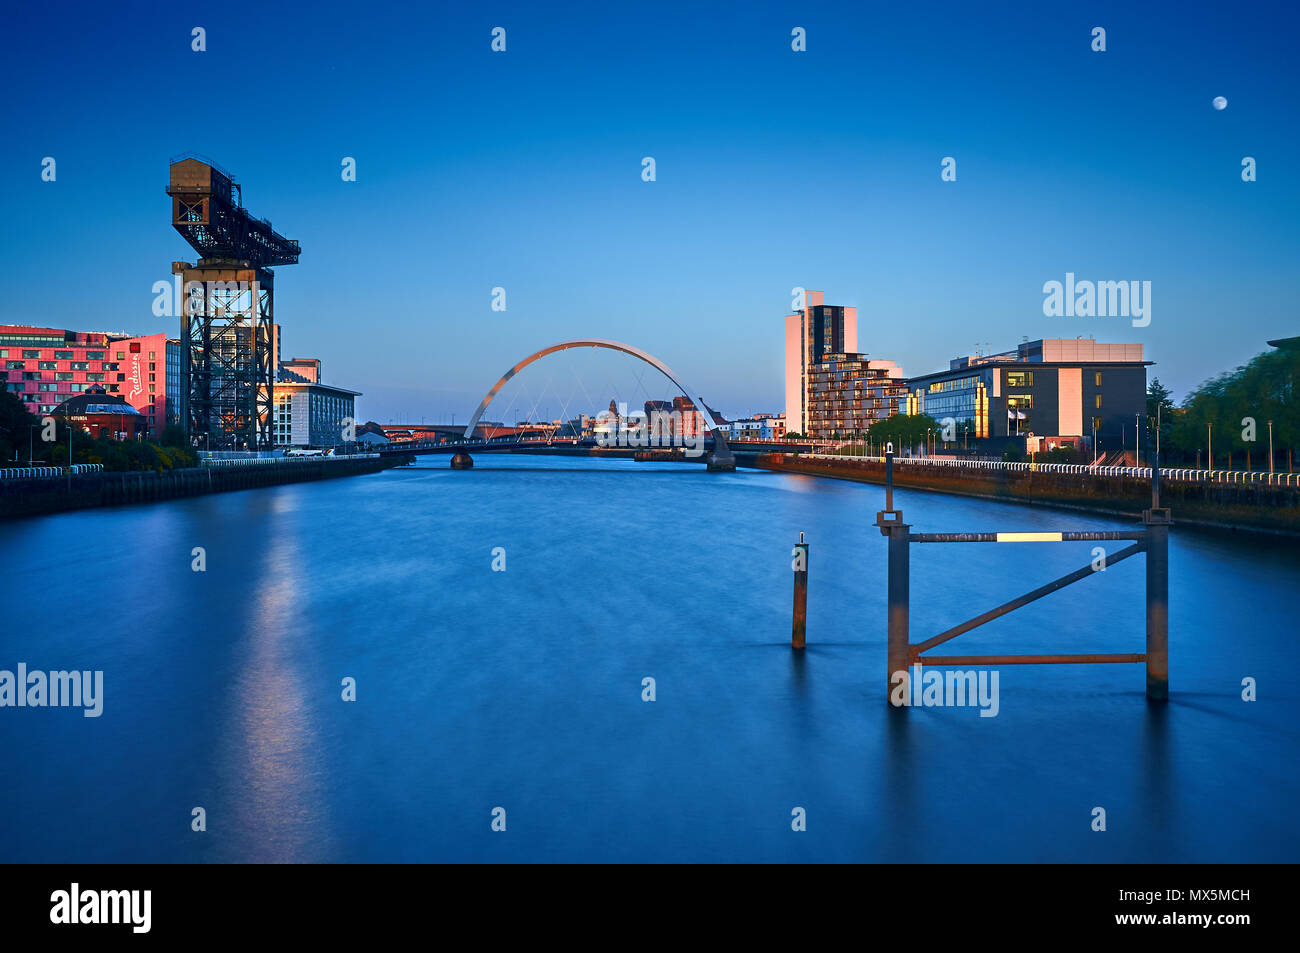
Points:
(721, 460)
(462, 461)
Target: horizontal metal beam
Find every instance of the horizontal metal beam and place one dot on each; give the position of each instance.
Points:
(1026, 659)
(1084, 573)
(1060, 537)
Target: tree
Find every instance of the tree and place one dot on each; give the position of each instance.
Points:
(1159, 397)
(1260, 391)
(904, 430)
(15, 424)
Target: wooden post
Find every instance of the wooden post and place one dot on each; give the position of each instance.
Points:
(800, 564)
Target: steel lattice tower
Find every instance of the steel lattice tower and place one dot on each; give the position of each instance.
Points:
(227, 311)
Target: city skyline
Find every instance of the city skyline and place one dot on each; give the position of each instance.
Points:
(492, 189)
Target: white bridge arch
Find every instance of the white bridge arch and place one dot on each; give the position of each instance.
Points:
(721, 450)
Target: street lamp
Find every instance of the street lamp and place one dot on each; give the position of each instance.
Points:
(1270, 446)
(1137, 440)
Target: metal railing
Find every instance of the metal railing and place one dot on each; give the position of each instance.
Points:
(46, 473)
(1185, 474)
(261, 461)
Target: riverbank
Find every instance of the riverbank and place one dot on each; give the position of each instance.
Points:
(1252, 507)
(37, 497)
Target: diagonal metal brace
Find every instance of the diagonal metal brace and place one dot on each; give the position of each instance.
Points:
(916, 648)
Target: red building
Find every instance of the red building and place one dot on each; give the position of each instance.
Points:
(44, 367)
(98, 413)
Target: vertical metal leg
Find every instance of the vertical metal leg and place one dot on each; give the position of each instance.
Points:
(1157, 608)
(899, 596)
(799, 627)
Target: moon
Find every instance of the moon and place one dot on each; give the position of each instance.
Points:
(1220, 102)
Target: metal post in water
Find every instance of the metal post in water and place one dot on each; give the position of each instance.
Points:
(1157, 608)
(799, 627)
(1157, 545)
(899, 597)
(895, 531)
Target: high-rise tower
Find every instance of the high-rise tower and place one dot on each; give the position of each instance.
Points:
(811, 333)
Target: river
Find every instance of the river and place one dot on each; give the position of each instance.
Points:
(523, 689)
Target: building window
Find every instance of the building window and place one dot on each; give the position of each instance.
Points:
(1020, 378)
(79, 366)
(1096, 424)
(47, 365)
(1099, 401)
(63, 375)
(1099, 378)
(94, 355)
(32, 354)
(121, 356)
(63, 355)
(15, 365)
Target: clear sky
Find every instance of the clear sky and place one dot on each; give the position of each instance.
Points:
(774, 169)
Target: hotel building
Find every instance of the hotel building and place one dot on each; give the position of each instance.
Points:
(1041, 394)
(46, 366)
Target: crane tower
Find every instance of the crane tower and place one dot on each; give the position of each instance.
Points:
(228, 346)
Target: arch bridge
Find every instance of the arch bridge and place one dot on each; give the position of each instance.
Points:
(720, 459)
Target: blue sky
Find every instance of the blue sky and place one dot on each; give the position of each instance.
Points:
(774, 169)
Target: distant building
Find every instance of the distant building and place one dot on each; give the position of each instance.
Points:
(371, 433)
(1041, 394)
(303, 368)
(100, 413)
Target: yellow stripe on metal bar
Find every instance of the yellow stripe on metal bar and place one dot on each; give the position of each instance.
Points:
(1029, 537)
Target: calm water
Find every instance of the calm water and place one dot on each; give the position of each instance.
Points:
(522, 689)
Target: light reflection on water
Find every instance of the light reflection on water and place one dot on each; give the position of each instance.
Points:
(523, 689)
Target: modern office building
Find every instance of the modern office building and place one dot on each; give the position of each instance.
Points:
(847, 393)
(310, 413)
(1041, 394)
(47, 366)
(811, 336)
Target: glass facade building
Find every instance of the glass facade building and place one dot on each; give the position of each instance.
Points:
(1041, 394)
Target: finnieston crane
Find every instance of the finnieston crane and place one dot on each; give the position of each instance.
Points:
(229, 340)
